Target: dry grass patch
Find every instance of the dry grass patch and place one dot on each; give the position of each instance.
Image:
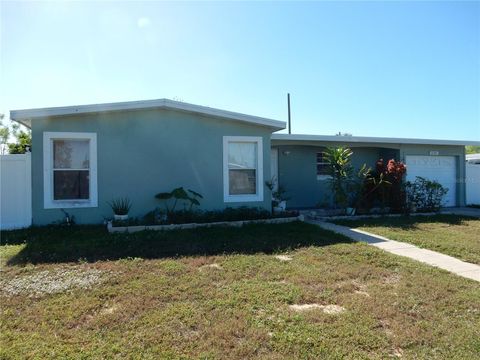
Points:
(52, 281)
(283, 258)
(327, 309)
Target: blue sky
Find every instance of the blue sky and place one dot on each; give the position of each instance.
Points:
(399, 69)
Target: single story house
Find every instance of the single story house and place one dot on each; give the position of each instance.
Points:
(301, 169)
(85, 156)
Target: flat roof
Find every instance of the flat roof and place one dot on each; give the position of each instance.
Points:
(367, 139)
(26, 116)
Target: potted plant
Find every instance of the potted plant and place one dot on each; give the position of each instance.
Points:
(280, 199)
(120, 208)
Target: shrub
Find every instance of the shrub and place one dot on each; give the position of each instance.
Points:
(186, 216)
(390, 192)
(424, 194)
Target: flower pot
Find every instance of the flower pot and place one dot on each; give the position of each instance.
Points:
(120, 217)
(282, 205)
(350, 211)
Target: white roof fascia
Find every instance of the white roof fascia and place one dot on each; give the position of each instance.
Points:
(365, 139)
(26, 116)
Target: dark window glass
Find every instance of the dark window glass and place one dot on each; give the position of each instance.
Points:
(242, 182)
(71, 184)
(71, 154)
(322, 165)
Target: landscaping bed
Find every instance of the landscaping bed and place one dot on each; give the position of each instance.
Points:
(189, 219)
(239, 223)
(453, 235)
(259, 292)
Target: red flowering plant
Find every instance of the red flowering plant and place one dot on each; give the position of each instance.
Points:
(392, 193)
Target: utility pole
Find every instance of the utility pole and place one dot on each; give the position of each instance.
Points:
(289, 116)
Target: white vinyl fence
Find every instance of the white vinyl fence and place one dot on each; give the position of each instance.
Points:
(15, 191)
(473, 183)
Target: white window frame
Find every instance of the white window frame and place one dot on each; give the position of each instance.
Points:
(258, 196)
(48, 201)
(320, 176)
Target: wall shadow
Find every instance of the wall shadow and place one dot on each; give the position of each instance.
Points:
(94, 243)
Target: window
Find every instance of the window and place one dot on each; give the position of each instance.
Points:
(242, 168)
(323, 171)
(70, 170)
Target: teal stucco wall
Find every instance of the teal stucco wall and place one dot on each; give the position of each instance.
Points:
(297, 173)
(142, 153)
(297, 167)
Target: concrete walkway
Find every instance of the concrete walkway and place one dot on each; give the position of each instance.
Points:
(461, 268)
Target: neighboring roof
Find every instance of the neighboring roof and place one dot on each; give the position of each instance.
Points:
(26, 116)
(472, 157)
(364, 139)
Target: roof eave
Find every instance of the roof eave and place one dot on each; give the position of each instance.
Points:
(362, 139)
(27, 115)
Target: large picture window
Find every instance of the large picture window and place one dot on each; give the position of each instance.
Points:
(70, 170)
(243, 168)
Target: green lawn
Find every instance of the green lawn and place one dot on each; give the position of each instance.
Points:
(452, 235)
(81, 293)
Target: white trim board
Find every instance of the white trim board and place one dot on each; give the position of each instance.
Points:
(48, 201)
(27, 115)
(364, 139)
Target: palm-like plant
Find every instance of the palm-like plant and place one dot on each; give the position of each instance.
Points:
(340, 170)
(194, 198)
(179, 194)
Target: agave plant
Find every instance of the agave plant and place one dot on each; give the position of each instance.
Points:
(120, 206)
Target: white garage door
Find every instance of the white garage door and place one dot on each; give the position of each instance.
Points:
(439, 168)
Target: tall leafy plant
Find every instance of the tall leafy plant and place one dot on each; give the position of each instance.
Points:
(179, 194)
(340, 170)
(363, 185)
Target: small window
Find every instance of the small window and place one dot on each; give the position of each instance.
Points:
(70, 170)
(243, 170)
(323, 170)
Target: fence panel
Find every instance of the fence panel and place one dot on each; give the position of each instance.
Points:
(473, 183)
(15, 191)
